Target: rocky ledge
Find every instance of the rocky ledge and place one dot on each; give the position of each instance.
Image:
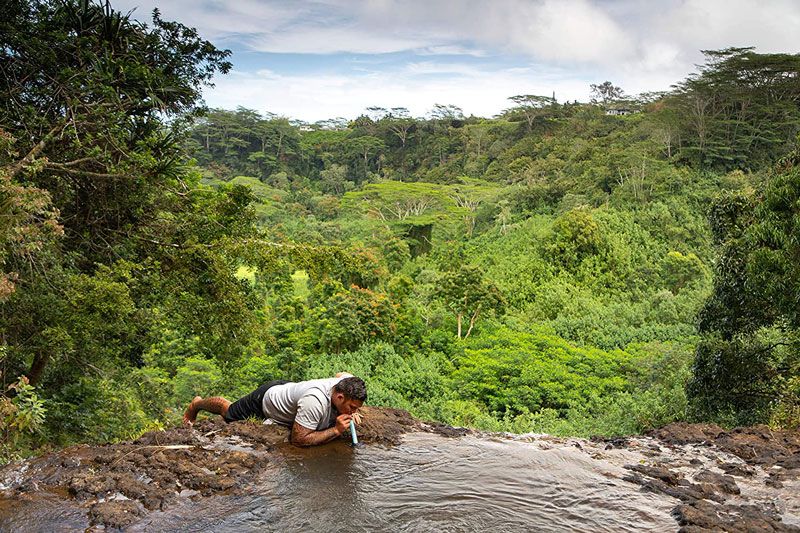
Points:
(711, 498)
(720, 480)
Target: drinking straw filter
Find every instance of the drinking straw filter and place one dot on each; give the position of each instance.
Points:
(353, 432)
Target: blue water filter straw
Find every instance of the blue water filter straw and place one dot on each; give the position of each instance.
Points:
(353, 432)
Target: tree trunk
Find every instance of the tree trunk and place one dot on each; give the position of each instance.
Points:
(472, 321)
(37, 368)
(17, 167)
(459, 324)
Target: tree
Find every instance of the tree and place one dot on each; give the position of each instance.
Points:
(98, 105)
(747, 367)
(532, 106)
(349, 318)
(741, 110)
(446, 112)
(679, 270)
(467, 293)
(606, 92)
(576, 236)
(400, 123)
(333, 180)
(81, 109)
(28, 225)
(365, 147)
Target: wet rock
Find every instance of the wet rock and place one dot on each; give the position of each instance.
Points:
(665, 481)
(791, 462)
(385, 426)
(757, 445)
(704, 516)
(116, 514)
(262, 437)
(721, 482)
(704, 504)
(175, 436)
(446, 431)
(668, 476)
(149, 475)
(679, 433)
(211, 458)
(775, 480)
(70, 462)
(87, 485)
(684, 491)
(611, 443)
(735, 469)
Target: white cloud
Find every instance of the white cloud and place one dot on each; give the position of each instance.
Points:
(636, 44)
(771, 25)
(315, 97)
(450, 50)
(216, 19)
(592, 31)
(440, 68)
(567, 30)
(328, 40)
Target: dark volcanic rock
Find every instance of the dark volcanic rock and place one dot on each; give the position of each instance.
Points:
(384, 425)
(703, 508)
(757, 445)
(659, 479)
(679, 433)
(118, 484)
(705, 516)
(704, 504)
(722, 482)
(735, 469)
(116, 514)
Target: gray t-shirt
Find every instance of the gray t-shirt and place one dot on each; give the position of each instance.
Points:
(307, 402)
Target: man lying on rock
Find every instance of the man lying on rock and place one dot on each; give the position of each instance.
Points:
(318, 410)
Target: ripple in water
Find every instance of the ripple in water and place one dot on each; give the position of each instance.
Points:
(429, 483)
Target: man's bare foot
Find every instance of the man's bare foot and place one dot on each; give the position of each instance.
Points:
(191, 412)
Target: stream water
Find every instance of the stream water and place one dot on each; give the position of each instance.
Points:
(429, 483)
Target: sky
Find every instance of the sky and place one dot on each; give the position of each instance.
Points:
(314, 60)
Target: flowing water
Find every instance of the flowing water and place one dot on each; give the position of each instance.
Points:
(430, 483)
(427, 483)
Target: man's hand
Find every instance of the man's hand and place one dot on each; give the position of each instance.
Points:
(343, 423)
(308, 437)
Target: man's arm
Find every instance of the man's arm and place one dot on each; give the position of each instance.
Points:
(302, 436)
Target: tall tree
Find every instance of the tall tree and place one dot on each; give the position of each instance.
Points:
(97, 104)
(468, 294)
(605, 92)
(83, 110)
(741, 110)
(747, 366)
(532, 106)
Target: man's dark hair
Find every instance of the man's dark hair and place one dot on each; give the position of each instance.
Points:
(353, 388)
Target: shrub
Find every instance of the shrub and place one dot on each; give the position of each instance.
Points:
(21, 416)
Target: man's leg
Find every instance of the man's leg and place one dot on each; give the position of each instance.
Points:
(216, 404)
(246, 407)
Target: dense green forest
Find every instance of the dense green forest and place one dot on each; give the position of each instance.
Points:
(571, 268)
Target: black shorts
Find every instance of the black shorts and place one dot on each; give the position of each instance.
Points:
(250, 406)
